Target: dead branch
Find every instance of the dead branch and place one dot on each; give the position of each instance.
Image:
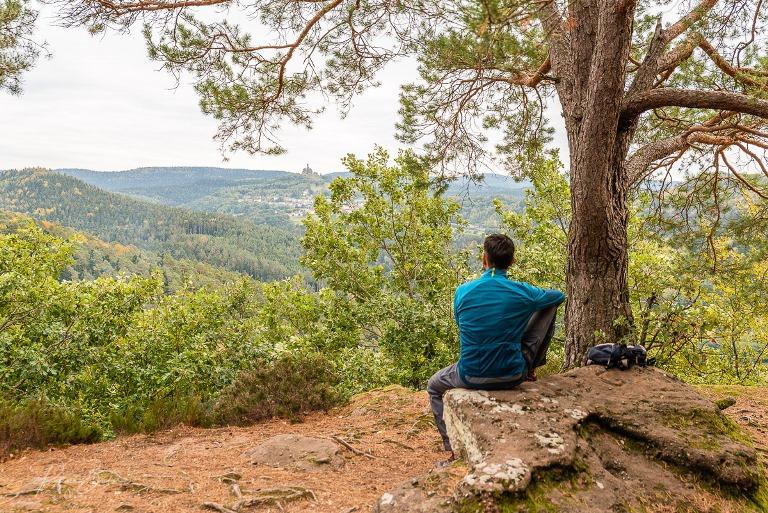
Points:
(217, 507)
(399, 444)
(354, 450)
(690, 19)
(273, 496)
(738, 176)
(103, 476)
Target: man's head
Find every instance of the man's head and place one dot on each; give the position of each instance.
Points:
(498, 251)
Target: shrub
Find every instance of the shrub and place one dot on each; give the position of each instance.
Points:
(554, 363)
(288, 386)
(37, 423)
(162, 413)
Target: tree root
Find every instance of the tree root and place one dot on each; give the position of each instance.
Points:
(264, 497)
(399, 444)
(103, 476)
(39, 485)
(217, 507)
(275, 496)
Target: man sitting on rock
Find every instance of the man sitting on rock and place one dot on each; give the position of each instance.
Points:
(505, 327)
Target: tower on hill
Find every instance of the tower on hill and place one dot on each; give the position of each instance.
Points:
(307, 171)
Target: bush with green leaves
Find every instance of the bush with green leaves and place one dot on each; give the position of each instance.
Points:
(117, 351)
(37, 423)
(382, 243)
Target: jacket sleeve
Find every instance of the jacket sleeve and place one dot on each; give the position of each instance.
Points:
(544, 298)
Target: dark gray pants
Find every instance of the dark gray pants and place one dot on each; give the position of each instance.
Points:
(534, 344)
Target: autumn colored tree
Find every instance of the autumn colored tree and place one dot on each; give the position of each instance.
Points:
(644, 88)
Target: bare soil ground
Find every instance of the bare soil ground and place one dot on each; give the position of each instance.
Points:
(181, 469)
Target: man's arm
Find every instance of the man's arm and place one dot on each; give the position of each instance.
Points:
(542, 299)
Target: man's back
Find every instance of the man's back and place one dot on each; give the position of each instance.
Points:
(492, 313)
(505, 328)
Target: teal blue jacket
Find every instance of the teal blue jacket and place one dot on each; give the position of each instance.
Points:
(492, 313)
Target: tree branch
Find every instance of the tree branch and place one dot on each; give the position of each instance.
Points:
(655, 61)
(684, 23)
(646, 72)
(637, 165)
(146, 6)
(696, 40)
(678, 54)
(693, 99)
(738, 176)
(538, 76)
(740, 75)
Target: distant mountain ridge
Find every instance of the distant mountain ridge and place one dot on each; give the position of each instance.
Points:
(272, 197)
(206, 176)
(173, 185)
(234, 244)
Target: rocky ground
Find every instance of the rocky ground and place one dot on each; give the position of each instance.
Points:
(344, 461)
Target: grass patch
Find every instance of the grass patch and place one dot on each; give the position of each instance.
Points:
(721, 391)
(163, 413)
(553, 366)
(38, 423)
(711, 423)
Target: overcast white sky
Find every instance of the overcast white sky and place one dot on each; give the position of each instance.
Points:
(100, 103)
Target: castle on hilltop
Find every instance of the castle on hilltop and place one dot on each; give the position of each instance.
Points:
(307, 171)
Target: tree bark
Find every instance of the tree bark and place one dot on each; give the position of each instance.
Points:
(598, 141)
(598, 307)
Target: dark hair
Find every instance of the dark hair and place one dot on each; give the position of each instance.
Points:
(499, 250)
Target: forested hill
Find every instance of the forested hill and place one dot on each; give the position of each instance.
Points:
(93, 258)
(264, 252)
(179, 185)
(275, 198)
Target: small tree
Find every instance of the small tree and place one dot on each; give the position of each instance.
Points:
(18, 51)
(637, 94)
(383, 241)
(385, 228)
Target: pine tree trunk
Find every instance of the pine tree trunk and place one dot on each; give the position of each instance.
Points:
(590, 64)
(598, 307)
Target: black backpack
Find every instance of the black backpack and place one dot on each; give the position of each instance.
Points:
(618, 356)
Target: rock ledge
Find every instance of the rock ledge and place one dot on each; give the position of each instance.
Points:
(593, 440)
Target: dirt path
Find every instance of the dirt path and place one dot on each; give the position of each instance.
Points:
(180, 469)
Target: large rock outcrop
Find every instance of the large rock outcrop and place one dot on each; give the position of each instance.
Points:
(593, 440)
